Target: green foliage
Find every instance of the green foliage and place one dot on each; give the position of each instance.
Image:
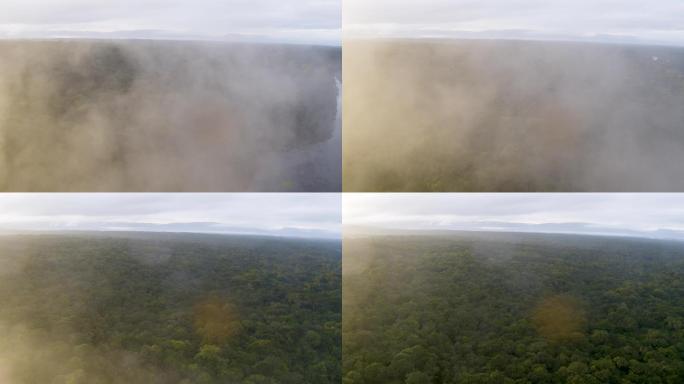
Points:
(503, 308)
(145, 308)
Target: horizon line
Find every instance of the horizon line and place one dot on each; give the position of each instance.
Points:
(638, 43)
(171, 39)
(6, 232)
(367, 231)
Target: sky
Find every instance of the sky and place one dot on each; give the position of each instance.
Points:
(626, 21)
(290, 21)
(640, 215)
(278, 214)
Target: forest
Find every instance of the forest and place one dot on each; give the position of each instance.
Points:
(475, 307)
(169, 308)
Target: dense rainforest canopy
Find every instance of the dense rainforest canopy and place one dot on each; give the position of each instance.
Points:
(169, 308)
(512, 308)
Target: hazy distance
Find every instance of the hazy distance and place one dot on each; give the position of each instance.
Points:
(289, 215)
(291, 21)
(633, 215)
(625, 21)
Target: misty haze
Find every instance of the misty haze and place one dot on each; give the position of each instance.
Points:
(140, 308)
(168, 116)
(486, 115)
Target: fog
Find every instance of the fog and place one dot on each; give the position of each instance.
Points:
(168, 116)
(30, 353)
(483, 115)
(30, 356)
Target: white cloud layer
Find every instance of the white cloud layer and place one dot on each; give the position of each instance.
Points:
(647, 215)
(280, 214)
(296, 21)
(660, 22)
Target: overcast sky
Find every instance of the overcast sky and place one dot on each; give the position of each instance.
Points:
(638, 21)
(647, 215)
(280, 214)
(295, 21)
